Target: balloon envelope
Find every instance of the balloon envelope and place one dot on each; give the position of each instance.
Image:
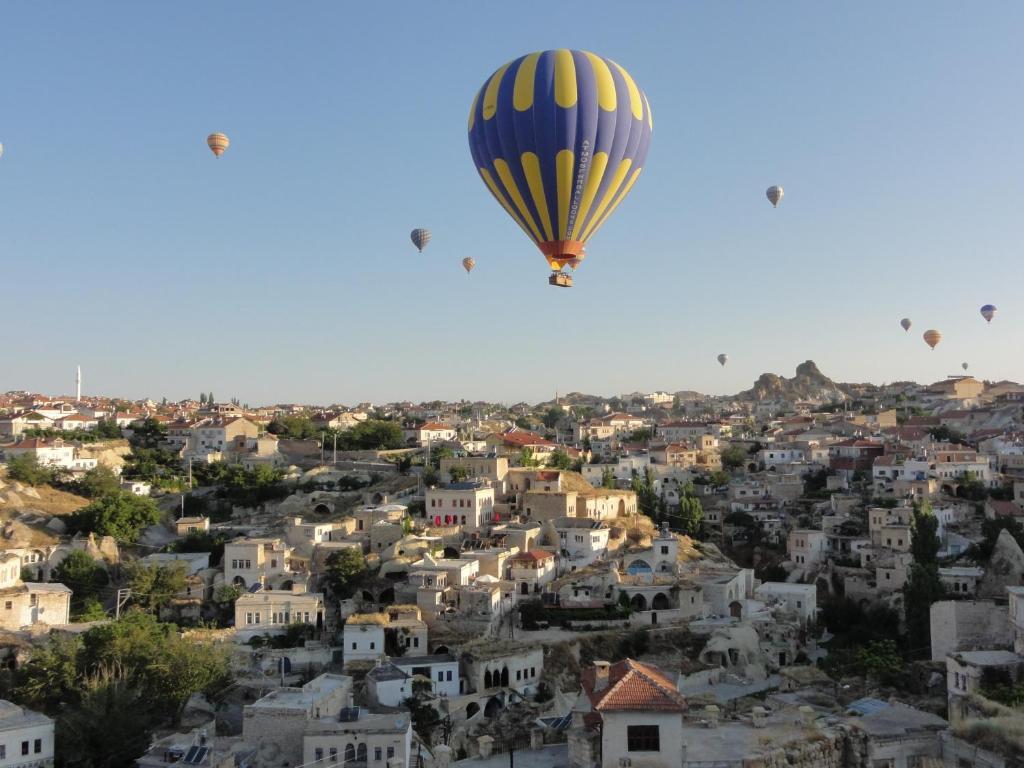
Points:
(905, 322)
(964, 366)
(420, 238)
(988, 312)
(468, 263)
(723, 359)
(1, 150)
(932, 338)
(217, 142)
(775, 194)
(559, 138)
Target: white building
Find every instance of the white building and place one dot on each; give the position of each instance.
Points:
(580, 541)
(801, 599)
(26, 737)
(357, 738)
(469, 504)
(272, 611)
(363, 638)
(391, 683)
(807, 547)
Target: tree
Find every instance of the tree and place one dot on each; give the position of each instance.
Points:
(559, 459)
(733, 457)
(154, 586)
(345, 569)
(923, 587)
(83, 576)
(99, 481)
(27, 469)
(719, 478)
(608, 478)
(646, 497)
(526, 458)
(107, 428)
(372, 435)
(880, 660)
(972, 487)
(122, 516)
(691, 511)
(924, 540)
(552, 416)
(458, 473)
(640, 435)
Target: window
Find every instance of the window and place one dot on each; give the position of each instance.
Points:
(3, 751)
(353, 646)
(334, 753)
(642, 738)
(664, 550)
(248, 618)
(376, 753)
(440, 677)
(391, 752)
(372, 645)
(24, 747)
(448, 676)
(8, 605)
(318, 753)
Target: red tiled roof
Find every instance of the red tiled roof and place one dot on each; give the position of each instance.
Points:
(524, 438)
(434, 426)
(633, 686)
(1005, 508)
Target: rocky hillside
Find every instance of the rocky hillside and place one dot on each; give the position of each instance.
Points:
(808, 383)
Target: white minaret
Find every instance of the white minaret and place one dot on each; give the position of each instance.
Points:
(78, 385)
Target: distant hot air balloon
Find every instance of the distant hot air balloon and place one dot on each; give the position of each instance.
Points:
(932, 338)
(1, 150)
(905, 322)
(217, 142)
(988, 312)
(420, 238)
(964, 366)
(468, 263)
(723, 359)
(559, 138)
(775, 194)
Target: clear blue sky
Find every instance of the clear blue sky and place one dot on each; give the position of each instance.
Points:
(284, 272)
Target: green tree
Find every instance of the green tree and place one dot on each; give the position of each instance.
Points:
(646, 497)
(923, 587)
(552, 416)
(526, 458)
(125, 712)
(27, 469)
(345, 569)
(372, 435)
(924, 539)
(154, 586)
(83, 576)
(99, 481)
(880, 661)
(608, 478)
(719, 478)
(691, 511)
(122, 515)
(108, 429)
(458, 473)
(733, 457)
(559, 459)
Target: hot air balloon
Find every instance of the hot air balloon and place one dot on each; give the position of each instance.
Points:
(964, 366)
(905, 322)
(559, 138)
(1, 150)
(988, 312)
(775, 194)
(217, 142)
(723, 359)
(932, 338)
(420, 238)
(468, 263)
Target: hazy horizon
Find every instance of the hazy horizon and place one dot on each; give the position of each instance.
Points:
(283, 271)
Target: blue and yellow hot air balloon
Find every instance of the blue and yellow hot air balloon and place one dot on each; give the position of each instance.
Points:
(988, 312)
(559, 138)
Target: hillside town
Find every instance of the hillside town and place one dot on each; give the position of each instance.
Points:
(807, 573)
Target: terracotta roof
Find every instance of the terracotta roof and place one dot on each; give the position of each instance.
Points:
(524, 438)
(633, 686)
(534, 556)
(433, 425)
(1005, 508)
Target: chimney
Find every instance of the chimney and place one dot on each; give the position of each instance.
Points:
(601, 675)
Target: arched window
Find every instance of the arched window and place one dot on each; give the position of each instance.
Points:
(361, 754)
(487, 679)
(504, 677)
(350, 752)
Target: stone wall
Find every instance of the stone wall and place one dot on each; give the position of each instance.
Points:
(818, 750)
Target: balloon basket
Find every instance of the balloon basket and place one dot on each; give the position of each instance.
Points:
(561, 280)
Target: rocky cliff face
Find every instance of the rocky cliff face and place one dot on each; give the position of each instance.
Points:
(808, 383)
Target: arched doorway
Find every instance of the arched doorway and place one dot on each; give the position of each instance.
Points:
(287, 585)
(238, 581)
(638, 602)
(524, 588)
(451, 553)
(639, 566)
(441, 649)
(361, 753)
(471, 709)
(487, 679)
(504, 677)
(350, 752)
(736, 609)
(321, 509)
(387, 596)
(492, 708)
(660, 602)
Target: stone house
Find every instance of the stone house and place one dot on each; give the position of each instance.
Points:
(272, 611)
(356, 737)
(26, 737)
(490, 666)
(27, 604)
(628, 714)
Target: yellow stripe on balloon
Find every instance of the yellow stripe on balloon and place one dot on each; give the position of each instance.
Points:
(635, 103)
(513, 191)
(491, 94)
(618, 197)
(650, 117)
(609, 194)
(605, 83)
(522, 93)
(472, 110)
(565, 78)
(531, 168)
(491, 185)
(565, 162)
(597, 168)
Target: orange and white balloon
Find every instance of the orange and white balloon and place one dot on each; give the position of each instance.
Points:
(468, 263)
(932, 338)
(218, 143)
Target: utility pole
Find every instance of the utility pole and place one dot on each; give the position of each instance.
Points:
(334, 459)
(323, 436)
